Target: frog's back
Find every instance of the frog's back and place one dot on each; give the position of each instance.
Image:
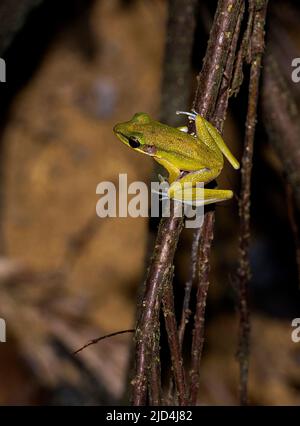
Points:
(186, 150)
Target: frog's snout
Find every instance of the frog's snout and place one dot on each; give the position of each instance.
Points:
(116, 128)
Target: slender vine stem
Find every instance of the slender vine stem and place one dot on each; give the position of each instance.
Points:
(219, 57)
(259, 9)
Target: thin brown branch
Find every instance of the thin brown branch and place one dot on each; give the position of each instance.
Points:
(218, 49)
(186, 312)
(159, 269)
(244, 53)
(226, 85)
(209, 83)
(243, 271)
(220, 58)
(175, 94)
(155, 391)
(198, 332)
(174, 345)
(98, 339)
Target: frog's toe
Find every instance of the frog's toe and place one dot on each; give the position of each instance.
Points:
(183, 129)
(162, 179)
(191, 115)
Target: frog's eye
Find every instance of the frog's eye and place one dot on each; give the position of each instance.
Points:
(133, 142)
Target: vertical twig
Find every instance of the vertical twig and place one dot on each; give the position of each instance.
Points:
(186, 312)
(174, 345)
(207, 94)
(219, 57)
(198, 332)
(218, 49)
(227, 80)
(159, 270)
(244, 53)
(243, 271)
(175, 93)
(155, 371)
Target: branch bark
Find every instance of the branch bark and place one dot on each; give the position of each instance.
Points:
(243, 272)
(155, 392)
(174, 344)
(221, 42)
(158, 272)
(175, 94)
(218, 64)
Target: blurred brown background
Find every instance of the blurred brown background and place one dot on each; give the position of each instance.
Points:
(66, 276)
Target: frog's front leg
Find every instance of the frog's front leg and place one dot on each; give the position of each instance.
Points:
(178, 189)
(173, 171)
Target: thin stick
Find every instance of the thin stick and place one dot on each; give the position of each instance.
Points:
(243, 271)
(198, 331)
(207, 93)
(155, 370)
(175, 95)
(220, 55)
(98, 339)
(173, 339)
(159, 269)
(186, 312)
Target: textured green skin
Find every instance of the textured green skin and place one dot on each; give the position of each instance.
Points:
(201, 157)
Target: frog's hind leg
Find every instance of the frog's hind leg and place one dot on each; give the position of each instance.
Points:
(216, 195)
(200, 196)
(189, 182)
(202, 132)
(211, 137)
(216, 136)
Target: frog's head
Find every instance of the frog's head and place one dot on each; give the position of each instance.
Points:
(134, 133)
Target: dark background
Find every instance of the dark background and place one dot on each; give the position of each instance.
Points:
(74, 69)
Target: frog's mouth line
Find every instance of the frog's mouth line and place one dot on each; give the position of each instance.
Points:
(144, 149)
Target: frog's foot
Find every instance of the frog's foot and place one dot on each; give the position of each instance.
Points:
(199, 196)
(162, 179)
(191, 115)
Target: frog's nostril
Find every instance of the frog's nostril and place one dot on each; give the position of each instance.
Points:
(133, 142)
